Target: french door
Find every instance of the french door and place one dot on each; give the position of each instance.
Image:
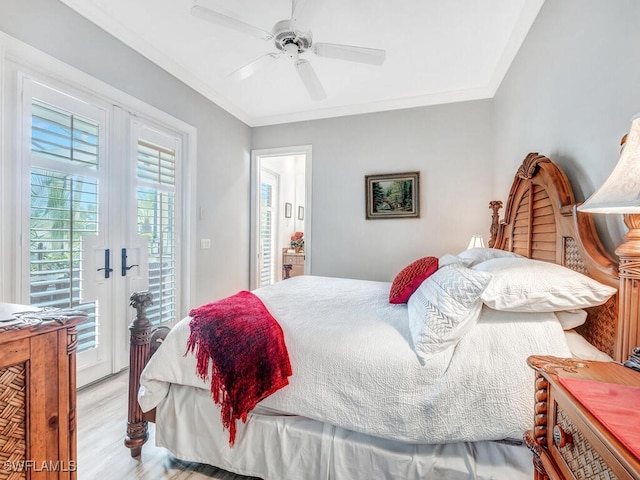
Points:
(99, 213)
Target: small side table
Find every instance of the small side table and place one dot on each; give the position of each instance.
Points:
(292, 263)
(568, 441)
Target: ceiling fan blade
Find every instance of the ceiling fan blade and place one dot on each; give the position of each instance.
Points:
(372, 56)
(250, 68)
(229, 22)
(310, 80)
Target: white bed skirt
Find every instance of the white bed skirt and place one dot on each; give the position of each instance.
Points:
(276, 447)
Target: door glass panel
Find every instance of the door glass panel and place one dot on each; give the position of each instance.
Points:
(156, 221)
(64, 206)
(63, 136)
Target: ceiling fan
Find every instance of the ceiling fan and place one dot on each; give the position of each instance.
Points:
(291, 42)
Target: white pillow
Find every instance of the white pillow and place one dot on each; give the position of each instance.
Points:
(444, 307)
(571, 318)
(582, 349)
(524, 285)
(474, 256)
(449, 259)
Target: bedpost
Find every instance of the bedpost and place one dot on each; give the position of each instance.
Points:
(495, 206)
(140, 335)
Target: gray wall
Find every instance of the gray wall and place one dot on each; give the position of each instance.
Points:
(451, 147)
(570, 94)
(223, 141)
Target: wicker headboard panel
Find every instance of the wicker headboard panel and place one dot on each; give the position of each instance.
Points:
(541, 222)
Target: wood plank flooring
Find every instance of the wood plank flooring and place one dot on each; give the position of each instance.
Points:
(102, 422)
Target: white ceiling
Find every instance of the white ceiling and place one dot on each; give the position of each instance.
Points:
(437, 51)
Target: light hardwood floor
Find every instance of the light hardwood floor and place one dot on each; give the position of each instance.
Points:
(102, 422)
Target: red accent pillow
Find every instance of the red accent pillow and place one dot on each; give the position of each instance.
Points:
(410, 278)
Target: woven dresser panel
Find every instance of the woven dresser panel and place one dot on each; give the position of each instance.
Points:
(582, 460)
(13, 414)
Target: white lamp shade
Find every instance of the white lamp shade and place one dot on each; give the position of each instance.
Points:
(620, 193)
(476, 241)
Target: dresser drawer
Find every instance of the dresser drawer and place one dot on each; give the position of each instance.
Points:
(576, 448)
(579, 457)
(293, 259)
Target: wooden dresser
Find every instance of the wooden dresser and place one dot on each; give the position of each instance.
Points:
(296, 260)
(38, 399)
(568, 439)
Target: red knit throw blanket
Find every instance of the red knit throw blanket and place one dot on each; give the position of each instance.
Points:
(245, 346)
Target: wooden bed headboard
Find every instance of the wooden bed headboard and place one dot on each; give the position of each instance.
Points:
(541, 222)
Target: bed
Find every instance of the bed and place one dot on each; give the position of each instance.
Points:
(377, 392)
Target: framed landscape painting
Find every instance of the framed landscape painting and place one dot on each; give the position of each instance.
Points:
(392, 195)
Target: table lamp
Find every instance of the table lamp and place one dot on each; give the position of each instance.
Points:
(476, 241)
(620, 194)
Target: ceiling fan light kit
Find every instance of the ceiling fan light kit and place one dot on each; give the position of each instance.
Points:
(291, 43)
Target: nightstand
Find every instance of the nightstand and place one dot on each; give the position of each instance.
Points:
(296, 262)
(575, 435)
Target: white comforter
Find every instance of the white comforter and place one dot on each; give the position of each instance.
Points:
(353, 365)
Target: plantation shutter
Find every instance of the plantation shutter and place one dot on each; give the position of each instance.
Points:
(65, 154)
(156, 175)
(266, 234)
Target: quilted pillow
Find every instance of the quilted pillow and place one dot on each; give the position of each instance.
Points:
(524, 285)
(444, 307)
(448, 259)
(410, 278)
(474, 256)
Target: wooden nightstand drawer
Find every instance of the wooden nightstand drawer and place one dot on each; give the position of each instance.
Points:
(578, 456)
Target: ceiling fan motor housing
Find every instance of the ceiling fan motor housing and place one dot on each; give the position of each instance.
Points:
(284, 35)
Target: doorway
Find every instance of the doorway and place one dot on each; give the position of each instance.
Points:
(280, 209)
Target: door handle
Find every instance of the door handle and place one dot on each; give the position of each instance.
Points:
(107, 264)
(124, 263)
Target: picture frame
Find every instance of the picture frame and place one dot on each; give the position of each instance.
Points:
(392, 195)
(300, 213)
(288, 208)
